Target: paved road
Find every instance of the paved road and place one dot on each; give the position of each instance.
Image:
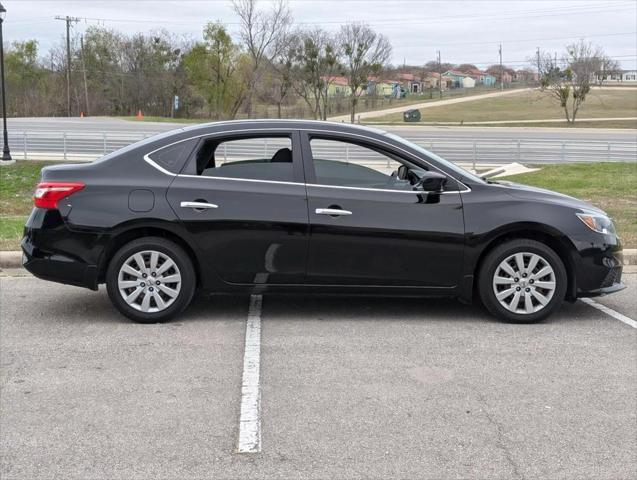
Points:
(111, 125)
(356, 388)
(89, 138)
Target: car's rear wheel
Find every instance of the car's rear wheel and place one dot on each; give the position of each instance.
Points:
(522, 281)
(150, 280)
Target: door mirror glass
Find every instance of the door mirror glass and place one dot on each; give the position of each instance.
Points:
(402, 172)
(432, 182)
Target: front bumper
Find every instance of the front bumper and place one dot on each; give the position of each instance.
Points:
(599, 271)
(616, 287)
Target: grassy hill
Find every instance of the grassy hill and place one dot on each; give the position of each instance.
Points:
(533, 105)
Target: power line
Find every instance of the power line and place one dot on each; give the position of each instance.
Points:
(537, 39)
(606, 7)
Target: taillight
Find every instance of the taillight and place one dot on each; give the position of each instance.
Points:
(47, 194)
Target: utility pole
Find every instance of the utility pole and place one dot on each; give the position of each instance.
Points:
(84, 72)
(439, 74)
(538, 65)
(501, 70)
(68, 21)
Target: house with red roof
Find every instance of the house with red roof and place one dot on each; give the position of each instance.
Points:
(337, 86)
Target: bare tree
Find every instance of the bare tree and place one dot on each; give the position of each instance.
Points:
(433, 66)
(316, 63)
(365, 52)
(264, 35)
(570, 81)
(283, 68)
(607, 67)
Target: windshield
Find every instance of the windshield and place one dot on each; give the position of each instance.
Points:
(433, 156)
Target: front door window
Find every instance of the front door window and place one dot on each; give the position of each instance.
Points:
(347, 164)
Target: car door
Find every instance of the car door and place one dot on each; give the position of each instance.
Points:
(242, 197)
(369, 227)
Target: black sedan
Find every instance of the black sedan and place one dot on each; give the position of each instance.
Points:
(310, 207)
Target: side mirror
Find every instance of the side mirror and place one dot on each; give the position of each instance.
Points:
(432, 182)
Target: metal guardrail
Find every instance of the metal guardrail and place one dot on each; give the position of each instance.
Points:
(64, 145)
(533, 151)
(86, 146)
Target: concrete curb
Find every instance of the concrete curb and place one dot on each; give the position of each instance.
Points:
(10, 259)
(14, 259)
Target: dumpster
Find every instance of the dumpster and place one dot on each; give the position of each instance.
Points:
(412, 115)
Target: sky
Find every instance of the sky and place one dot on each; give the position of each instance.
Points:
(465, 31)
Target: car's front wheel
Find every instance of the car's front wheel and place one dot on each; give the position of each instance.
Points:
(150, 279)
(522, 281)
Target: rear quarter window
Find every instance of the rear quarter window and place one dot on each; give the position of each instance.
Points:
(173, 157)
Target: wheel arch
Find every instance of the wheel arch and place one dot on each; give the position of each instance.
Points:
(545, 234)
(128, 232)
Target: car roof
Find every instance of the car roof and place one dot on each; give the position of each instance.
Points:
(281, 123)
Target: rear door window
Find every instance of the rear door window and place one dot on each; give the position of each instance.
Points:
(251, 158)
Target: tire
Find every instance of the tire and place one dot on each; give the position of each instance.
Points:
(157, 291)
(524, 296)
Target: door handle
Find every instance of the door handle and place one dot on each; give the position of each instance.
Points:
(334, 212)
(198, 205)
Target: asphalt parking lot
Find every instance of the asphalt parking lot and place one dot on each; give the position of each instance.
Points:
(350, 388)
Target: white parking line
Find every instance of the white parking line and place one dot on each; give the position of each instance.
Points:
(619, 316)
(250, 419)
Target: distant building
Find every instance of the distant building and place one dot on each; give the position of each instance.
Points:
(456, 79)
(525, 75)
(337, 86)
(619, 77)
(480, 77)
(411, 83)
(384, 88)
(468, 82)
(431, 80)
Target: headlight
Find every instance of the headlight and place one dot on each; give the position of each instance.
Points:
(597, 222)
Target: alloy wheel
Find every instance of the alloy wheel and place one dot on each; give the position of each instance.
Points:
(149, 281)
(524, 283)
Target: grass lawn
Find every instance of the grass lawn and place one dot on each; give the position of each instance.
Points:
(533, 105)
(11, 232)
(610, 186)
(365, 104)
(586, 124)
(17, 182)
(152, 118)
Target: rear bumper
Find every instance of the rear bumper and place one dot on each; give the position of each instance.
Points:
(51, 252)
(56, 267)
